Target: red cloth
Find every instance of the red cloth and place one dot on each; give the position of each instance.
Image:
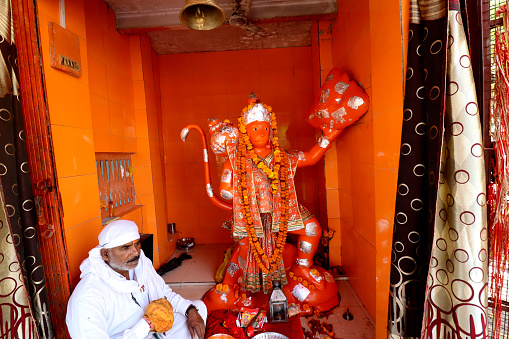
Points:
(292, 329)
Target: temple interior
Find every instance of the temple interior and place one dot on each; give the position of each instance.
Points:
(136, 93)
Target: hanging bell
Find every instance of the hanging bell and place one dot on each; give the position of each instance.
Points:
(201, 15)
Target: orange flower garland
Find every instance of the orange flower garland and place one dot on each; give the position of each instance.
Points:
(278, 177)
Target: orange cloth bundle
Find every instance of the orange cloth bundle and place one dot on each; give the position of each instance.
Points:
(160, 313)
(341, 103)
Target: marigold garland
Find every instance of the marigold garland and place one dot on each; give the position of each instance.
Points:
(278, 177)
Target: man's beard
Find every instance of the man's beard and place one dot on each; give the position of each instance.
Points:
(119, 266)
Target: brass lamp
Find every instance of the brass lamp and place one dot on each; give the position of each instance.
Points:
(201, 15)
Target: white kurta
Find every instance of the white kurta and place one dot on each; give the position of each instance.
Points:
(103, 304)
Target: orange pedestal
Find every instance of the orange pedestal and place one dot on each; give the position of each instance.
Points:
(315, 290)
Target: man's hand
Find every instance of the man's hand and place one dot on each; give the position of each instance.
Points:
(195, 324)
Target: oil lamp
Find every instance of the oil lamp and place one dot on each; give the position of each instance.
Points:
(278, 304)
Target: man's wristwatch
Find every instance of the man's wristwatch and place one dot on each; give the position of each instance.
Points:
(191, 307)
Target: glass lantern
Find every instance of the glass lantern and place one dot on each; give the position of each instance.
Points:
(278, 304)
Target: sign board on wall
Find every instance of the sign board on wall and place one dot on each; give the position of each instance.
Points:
(64, 47)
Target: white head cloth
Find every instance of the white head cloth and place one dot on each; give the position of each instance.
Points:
(117, 233)
(256, 113)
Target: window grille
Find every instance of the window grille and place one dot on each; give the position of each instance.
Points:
(116, 185)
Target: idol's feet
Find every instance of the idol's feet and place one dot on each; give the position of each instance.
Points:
(220, 296)
(313, 286)
(313, 277)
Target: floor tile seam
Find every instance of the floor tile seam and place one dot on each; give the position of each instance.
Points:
(351, 293)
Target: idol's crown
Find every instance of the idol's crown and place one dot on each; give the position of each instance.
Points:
(257, 113)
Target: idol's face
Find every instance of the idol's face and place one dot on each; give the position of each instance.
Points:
(259, 133)
(124, 257)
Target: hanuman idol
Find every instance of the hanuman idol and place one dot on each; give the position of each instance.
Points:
(257, 186)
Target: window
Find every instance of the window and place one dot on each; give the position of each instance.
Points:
(116, 185)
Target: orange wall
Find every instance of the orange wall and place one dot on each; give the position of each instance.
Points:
(111, 108)
(197, 86)
(73, 137)
(367, 44)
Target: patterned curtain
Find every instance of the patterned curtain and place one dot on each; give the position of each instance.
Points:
(16, 315)
(457, 292)
(421, 143)
(440, 229)
(20, 259)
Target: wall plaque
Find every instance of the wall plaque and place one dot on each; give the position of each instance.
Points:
(64, 47)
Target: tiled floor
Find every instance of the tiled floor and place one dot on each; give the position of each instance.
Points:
(196, 276)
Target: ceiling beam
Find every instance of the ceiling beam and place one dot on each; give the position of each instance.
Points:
(150, 19)
(180, 27)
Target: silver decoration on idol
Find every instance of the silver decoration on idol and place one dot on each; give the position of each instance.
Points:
(218, 139)
(328, 277)
(303, 262)
(331, 124)
(257, 113)
(227, 176)
(232, 131)
(205, 155)
(355, 102)
(226, 195)
(329, 78)
(338, 115)
(317, 277)
(341, 87)
(311, 229)
(305, 247)
(210, 192)
(184, 133)
(300, 292)
(301, 156)
(218, 145)
(322, 114)
(323, 141)
(324, 96)
(232, 269)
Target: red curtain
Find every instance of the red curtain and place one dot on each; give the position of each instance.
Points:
(42, 172)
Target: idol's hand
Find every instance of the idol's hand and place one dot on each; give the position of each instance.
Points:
(316, 152)
(331, 134)
(195, 324)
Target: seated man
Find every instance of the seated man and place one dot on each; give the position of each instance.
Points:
(117, 283)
